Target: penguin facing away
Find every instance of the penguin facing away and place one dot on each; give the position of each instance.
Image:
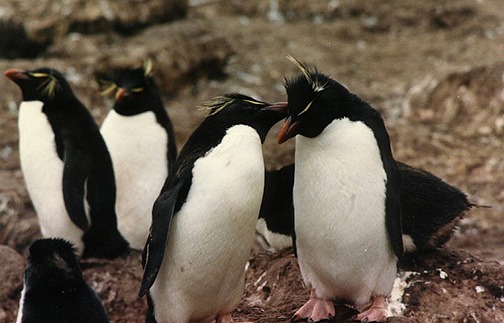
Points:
(203, 221)
(346, 198)
(66, 165)
(430, 209)
(139, 136)
(54, 290)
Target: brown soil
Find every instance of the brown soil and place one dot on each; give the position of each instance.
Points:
(433, 68)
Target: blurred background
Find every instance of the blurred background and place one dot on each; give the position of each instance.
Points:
(433, 68)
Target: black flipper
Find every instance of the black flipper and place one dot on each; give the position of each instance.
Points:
(103, 239)
(162, 215)
(76, 170)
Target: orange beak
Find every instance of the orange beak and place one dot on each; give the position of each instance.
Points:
(288, 131)
(15, 74)
(279, 107)
(121, 93)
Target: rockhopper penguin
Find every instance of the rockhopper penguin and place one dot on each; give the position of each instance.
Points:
(66, 165)
(203, 221)
(346, 197)
(139, 136)
(430, 209)
(54, 290)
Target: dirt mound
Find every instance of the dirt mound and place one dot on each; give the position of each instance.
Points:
(27, 30)
(470, 103)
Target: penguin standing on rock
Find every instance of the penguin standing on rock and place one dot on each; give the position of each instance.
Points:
(139, 136)
(203, 221)
(54, 290)
(346, 198)
(66, 165)
(430, 209)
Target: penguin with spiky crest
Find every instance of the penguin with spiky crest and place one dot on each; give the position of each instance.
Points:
(430, 209)
(139, 136)
(66, 165)
(54, 290)
(346, 197)
(203, 222)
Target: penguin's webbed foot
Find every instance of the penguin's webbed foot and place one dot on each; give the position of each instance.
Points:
(377, 312)
(315, 310)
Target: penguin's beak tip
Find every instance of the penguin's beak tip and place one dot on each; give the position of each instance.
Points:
(287, 131)
(15, 74)
(121, 93)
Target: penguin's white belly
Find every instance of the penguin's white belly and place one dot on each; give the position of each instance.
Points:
(138, 148)
(203, 269)
(43, 174)
(339, 201)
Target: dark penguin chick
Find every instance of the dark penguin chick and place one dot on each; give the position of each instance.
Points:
(346, 198)
(54, 290)
(66, 165)
(139, 136)
(430, 209)
(203, 222)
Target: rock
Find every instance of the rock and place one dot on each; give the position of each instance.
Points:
(182, 53)
(117, 283)
(476, 95)
(11, 276)
(26, 30)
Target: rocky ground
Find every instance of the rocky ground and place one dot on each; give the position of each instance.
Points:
(435, 69)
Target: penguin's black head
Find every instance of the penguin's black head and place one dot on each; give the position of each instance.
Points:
(314, 101)
(52, 261)
(234, 109)
(135, 90)
(42, 84)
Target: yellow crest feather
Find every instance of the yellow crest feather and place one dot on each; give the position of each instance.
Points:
(148, 64)
(50, 86)
(107, 87)
(217, 104)
(315, 84)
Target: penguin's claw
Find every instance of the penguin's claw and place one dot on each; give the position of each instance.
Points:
(315, 310)
(377, 312)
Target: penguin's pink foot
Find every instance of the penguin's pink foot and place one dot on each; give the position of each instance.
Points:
(226, 319)
(315, 310)
(377, 312)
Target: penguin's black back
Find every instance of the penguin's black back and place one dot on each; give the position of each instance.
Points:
(277, 207)
(55, 290)
(428, 204)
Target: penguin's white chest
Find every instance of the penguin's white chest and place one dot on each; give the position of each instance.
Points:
(203, 269)
(138, 148)
(339, 201)
(43, 173)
